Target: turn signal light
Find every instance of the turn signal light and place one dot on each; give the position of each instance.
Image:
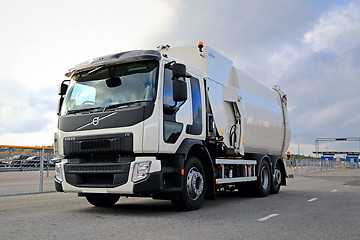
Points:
(141, 170)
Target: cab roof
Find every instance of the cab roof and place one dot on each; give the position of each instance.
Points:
(130, 56)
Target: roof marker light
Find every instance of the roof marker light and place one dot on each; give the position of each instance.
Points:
(200, 46)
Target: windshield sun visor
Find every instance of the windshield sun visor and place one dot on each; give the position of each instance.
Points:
(113, 59)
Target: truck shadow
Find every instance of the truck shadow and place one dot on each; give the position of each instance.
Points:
(150, 207)
(135, 207)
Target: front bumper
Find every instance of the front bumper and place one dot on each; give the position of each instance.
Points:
(157, 181)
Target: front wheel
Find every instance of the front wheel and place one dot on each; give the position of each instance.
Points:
(194, 186)
(102, 200)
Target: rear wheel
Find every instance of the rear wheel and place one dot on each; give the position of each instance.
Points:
(194, 186)
(264, 180)
(102, 200)
(276, 180)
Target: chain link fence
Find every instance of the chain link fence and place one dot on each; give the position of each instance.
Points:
(305, 166)
(26, 170)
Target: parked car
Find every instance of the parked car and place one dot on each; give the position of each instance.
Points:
(3, 162)
(34, 162)
(17, 160)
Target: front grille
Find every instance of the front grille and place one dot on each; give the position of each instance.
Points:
(101, 158)
(82, 168)
(112, 171)
(96, 144)
(97, 174)
(119, 143)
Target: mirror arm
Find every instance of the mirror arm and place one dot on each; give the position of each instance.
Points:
(168, 65)
(173, 106)
(181, 104)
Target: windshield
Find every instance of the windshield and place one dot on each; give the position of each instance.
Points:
(102, 87)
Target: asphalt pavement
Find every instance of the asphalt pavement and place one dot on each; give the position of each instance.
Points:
(317, 206)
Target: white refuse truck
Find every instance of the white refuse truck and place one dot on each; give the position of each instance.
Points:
(174, 123)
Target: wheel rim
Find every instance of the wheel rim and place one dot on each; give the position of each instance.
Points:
(194, 183)
(264, 177)
(277, 174)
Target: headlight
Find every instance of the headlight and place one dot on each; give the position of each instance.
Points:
(141, 171)
(58, 172)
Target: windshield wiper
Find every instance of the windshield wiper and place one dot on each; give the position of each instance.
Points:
(82, 110)
(120, 104)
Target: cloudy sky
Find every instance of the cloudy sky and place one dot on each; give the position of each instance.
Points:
(310, 48)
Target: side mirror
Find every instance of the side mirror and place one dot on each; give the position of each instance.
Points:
(62, 91)
(179, 70)
(63, 87)
(179, 86)
(59, 104)
(179, 90)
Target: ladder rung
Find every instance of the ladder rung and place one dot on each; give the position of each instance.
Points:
(234, 161)
(233, 180)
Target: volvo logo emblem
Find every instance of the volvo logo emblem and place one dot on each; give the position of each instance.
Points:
(95, 121)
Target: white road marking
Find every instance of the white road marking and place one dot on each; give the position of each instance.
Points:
(312, 200)
(346, 185)
(267, 217)
(335, 190)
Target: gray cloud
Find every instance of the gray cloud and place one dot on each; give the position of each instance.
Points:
(321, 75)
(310, 48)
(242, 30)
(23, 110)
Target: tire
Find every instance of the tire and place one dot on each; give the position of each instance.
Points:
(194, 186)
(264, 180)
(276, 180)
(102, 200)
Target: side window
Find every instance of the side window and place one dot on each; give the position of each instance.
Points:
(172, 129)
(196, 127)
(168, 91)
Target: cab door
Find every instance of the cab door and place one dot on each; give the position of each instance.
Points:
(182, 120)
(175, 118)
